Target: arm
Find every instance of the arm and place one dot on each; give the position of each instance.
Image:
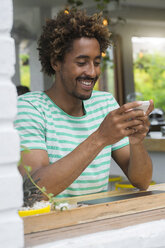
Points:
(59, 175)
(62, 173)
(136, 164)
(134, 159)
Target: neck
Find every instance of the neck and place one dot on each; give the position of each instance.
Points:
(71, 106)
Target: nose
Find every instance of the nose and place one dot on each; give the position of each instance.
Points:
(92, 71)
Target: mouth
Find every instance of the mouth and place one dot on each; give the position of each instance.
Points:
(87, 84)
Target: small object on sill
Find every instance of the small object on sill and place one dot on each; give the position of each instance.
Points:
(64, 206)
(38, 208)
(44, 210)
(162, 129)
(155, 135)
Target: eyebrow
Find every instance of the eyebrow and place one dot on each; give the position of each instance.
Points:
(87, 57)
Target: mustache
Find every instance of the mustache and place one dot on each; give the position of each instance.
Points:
(88, 78)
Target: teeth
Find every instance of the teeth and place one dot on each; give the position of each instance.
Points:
(86, 83)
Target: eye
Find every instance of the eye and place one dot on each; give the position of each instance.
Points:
(97, 63)
(80, 63)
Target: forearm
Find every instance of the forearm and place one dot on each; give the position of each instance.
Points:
(59, 175)
(140, 166)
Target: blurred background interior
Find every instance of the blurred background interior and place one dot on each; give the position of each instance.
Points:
(133, 67)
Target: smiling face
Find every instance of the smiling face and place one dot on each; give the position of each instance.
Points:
(78, 73)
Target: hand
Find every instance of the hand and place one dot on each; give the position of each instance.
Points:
(124, 121)
(139, 132)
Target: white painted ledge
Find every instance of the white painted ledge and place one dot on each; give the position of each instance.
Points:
(147, 235)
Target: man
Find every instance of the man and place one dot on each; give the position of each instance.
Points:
(71, 130)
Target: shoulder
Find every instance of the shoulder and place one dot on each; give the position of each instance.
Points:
(35, 96)
(34, 99)
(98, 94)
(103, 97)
(34, 103)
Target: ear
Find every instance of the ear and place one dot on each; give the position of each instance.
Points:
(56, 65)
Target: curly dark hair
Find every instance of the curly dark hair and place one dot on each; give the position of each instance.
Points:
(58, 35)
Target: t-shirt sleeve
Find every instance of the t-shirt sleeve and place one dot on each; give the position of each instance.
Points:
(30, 125)
(123, 142)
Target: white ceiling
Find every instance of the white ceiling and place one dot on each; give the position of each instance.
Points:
(159, 4)
(27, 12)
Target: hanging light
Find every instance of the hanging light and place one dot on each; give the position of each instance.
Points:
(103, 54)
(105, 22)
(66, 11)
(140, 54)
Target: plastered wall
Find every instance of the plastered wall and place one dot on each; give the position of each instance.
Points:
(11, 225)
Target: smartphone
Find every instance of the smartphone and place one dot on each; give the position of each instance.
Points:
(144, 106)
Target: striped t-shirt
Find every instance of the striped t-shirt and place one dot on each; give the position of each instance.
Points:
(43, 125)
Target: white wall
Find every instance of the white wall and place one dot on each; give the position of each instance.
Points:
(158, 160)
(11, 225)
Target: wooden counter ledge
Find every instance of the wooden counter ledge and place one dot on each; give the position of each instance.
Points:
(93, 218)
(155, 145)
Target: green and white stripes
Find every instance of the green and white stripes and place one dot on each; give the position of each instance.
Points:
(43, 125)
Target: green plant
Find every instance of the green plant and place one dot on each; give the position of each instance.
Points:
(40, 190)
(74, 3)
(100, 4)
(30, 193)
(149, 76)
(24, 70)
(25, 75)
(24, 59)
(33, 192)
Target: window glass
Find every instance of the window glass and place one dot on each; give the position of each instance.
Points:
(24, 65)
(149, 69)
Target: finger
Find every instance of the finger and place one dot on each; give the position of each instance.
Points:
(142, 129)
(143, 119)
(133, 123)
(139, 129)
(132, 114)
(134, 130)
(128, 106)
(150, 108)
(131, 131)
